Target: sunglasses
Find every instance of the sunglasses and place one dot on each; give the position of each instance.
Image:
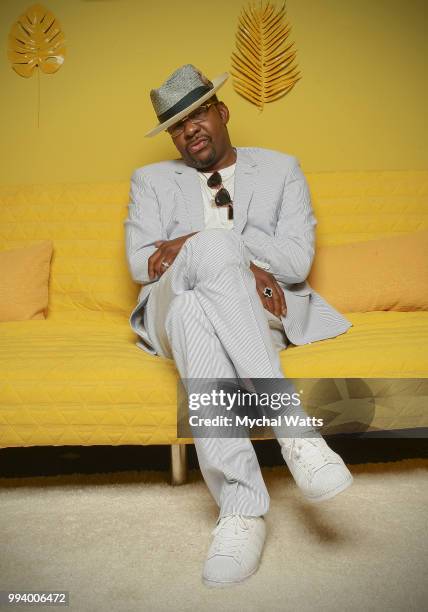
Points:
(222, 197)
(197, 116)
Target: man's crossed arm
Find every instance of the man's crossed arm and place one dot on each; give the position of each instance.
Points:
(167, 251)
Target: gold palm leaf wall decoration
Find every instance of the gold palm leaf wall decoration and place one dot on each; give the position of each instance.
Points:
(263, 67)
(36, 41)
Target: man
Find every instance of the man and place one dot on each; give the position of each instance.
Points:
(222, 241)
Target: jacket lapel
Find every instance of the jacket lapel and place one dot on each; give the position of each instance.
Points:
(188, 181)
(245, 181)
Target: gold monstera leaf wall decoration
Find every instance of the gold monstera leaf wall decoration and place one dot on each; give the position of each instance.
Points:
(263, 68)
(36, 41)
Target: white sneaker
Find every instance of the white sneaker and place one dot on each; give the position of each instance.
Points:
(235, 552)
(319, 472)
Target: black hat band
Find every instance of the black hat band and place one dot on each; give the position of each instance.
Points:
(182, 104)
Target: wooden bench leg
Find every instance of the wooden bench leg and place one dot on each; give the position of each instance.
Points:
(178, 464)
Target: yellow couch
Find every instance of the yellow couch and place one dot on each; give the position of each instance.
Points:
(78, 378)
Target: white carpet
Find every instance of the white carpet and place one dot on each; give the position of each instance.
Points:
(129, 541)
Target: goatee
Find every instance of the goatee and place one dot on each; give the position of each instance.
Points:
(201, 164)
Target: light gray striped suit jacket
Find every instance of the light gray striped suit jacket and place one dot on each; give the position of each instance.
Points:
(272, 214)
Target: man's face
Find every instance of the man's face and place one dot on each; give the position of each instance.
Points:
(202, 144)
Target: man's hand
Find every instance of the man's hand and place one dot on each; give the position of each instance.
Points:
(275, 304)
(167, 251)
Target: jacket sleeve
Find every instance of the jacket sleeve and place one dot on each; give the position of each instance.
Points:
(142, 227)
(288, 254)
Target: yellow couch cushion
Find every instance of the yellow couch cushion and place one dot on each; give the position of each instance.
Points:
(384, 274)
(90, 384)
(378, 345)
(24, 280)
(362, 206)
(89, 271)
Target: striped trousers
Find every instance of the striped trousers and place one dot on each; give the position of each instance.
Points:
(206, 314)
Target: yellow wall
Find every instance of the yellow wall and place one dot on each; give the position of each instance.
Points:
(361, 103)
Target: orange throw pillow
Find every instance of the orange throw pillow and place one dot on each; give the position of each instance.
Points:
(385, 274)
(24, 280)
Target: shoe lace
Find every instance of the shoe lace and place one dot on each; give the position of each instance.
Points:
(233, 527)
(312, 447)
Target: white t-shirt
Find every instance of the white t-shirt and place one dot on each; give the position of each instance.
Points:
(216, 216)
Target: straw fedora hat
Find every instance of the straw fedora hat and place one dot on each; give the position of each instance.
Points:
(182, 92)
